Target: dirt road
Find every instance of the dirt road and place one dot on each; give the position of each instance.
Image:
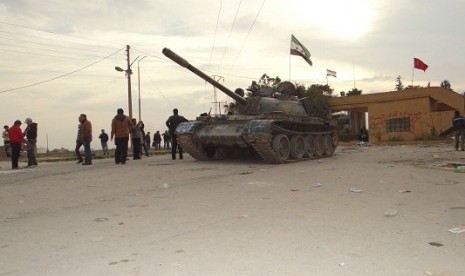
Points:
(374, 210)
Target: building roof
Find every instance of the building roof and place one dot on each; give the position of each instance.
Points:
(446, 97)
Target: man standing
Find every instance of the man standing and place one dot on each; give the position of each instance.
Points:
(6, 141)
(459, 125)
(166, 140)
(136, 135)
(172, 122)
(86, 137)
(31, 136)
(16, 138)
(104, 142)
(77, 149)
(120, 127)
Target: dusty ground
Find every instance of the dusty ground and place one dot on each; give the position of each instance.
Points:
(161, 217)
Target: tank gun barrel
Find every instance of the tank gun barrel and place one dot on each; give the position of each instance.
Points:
(184, 63)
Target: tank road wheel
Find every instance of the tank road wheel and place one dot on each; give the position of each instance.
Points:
(309, 146)
(297, 149)
(335, 140)
(319, 145)
(329, 146)
(281, 146)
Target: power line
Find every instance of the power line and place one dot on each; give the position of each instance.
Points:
(216, 31)
(248, 33)
(46, 31)
(22, 41)
(60, 76)
(230, 33)
(44, 54)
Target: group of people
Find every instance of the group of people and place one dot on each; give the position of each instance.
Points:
(14, 138)
(157, 138)
(122, 127)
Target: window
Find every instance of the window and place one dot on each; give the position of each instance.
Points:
(398, 125)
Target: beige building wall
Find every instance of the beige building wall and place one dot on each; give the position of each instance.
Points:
(428, 111)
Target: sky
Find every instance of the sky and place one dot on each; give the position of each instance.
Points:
(58, 57)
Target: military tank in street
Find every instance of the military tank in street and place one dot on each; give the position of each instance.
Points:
(272, 123)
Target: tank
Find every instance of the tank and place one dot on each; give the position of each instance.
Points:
(271, 123)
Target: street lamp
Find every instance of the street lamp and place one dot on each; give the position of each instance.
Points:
(138, 77)
(128, 72)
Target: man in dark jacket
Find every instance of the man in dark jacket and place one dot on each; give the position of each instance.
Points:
(172, 122)
(459, 124)
(31, 136)
(120, 127)
(104, 142)
(85, 135)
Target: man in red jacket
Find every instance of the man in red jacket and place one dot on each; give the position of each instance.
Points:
(16, 137)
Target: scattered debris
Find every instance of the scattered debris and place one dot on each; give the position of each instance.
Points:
(435, 156)
(166, 185)
(294, 190)
(101, 219)
(405, 191)
(458, 230)
(355, 190)
(437, 244)
(317, 185)
(243, 216)
(246, 172)
(390, 213)
(459, 170)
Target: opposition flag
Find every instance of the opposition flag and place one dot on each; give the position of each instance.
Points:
(418, 64)
(330, 73)
(298, 49)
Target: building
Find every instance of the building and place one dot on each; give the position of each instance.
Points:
(411, 114)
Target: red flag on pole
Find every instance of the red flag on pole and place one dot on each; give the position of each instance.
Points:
(418, 64)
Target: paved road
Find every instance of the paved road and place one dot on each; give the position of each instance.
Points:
(161, 217)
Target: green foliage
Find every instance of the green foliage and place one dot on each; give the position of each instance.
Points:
(266, 80)
(445, 84)
(413, 87)
(399, 85)
(354, 92)
(319, 96)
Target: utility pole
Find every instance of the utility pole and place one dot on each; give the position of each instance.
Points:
(215, 96)
(138, 81)
(129, 72)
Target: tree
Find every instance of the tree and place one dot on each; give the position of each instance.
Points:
(354, 92)
(399, 85)
(445, 84)
(319, 96)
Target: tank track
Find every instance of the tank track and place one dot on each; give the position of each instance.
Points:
(261, 144)
(189, 145)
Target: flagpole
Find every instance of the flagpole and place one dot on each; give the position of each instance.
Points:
(290, 46)
(353, 72)
(413, 69)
